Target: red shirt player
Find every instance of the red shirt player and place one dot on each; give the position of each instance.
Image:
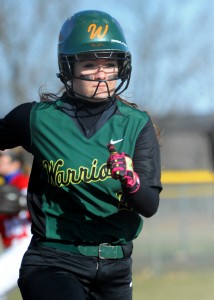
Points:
(14, 227)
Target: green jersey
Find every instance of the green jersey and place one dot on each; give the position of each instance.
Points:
(72, 196)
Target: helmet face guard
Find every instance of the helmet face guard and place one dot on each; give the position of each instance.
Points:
(97, 35)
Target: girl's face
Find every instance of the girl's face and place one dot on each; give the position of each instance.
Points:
(101, 73)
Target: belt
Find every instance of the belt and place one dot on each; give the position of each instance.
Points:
(102, 251)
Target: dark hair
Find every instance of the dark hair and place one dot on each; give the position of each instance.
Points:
(13, 154)
(62, 93)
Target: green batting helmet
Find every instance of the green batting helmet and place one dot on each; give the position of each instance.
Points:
(97, 33)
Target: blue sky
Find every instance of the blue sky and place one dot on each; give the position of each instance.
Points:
(160, 81)
(195, 92)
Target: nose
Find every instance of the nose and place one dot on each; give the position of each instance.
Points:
(100, 74)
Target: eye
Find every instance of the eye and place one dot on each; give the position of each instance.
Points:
(89, 65)
(111, 65)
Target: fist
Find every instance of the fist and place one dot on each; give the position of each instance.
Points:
(121, 166)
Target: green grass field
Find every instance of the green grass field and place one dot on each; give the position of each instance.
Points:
(170, 286)
(174, 286)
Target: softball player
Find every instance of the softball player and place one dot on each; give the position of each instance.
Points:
(96, 168)
(15, 221)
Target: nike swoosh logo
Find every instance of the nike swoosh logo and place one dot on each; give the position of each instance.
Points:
(115, 142)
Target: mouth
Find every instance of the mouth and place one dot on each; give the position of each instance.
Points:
(101, 88)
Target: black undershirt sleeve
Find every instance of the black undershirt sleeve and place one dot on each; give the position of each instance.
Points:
(147, 203)
(146, 162)
(15, 128)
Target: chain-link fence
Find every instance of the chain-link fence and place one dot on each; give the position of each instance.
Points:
(180, 236)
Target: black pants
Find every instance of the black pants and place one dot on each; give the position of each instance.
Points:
(47, 273)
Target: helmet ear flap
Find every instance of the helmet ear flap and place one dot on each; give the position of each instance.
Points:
(66, 67)
(125, 68)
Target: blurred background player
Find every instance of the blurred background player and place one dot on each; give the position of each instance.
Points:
(14, 217)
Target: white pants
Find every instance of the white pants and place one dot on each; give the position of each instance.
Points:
(10, 261)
